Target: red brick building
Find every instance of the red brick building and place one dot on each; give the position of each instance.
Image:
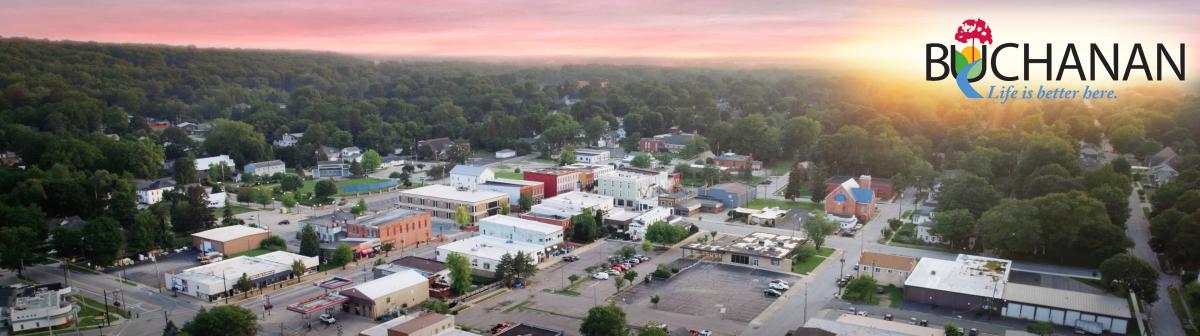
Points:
(883, 188)
(555, 180)
(398, 227)
(674, 141)
(738, 162)
(852, 198)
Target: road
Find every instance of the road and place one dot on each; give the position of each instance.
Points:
(1162, 318)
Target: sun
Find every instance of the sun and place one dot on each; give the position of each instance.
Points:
(971, 54)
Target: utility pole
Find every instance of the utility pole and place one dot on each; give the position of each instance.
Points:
(225, 283)
(106, 317)
(805, 304)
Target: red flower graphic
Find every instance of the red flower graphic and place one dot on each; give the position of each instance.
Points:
(974, 30)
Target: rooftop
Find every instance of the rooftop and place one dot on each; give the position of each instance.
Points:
(733, 187)
(154, 184)
(523, 224)
(420, 264)
(758, 243)
(377, 288)
(388, 216)
(271, 163)
(1058, 298)
(522, 183)
(553, 171)
(421, 322)
(469, 170)
(489, 247)
(448, 192)
(227, 233)
(254, 267)
(523, 329)
(891, 261)
(968, 274)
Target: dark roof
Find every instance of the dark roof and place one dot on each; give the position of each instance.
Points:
(438, 144)
(676, 139)
(414, 262)
(529, 330)
(806, 331)
(153, 184)
(421, 322)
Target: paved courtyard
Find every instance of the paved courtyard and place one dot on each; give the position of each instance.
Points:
(716, 291)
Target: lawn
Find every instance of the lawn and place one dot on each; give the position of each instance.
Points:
(508, 174)
(237, 210)
(895, 295)
(808, 265)
(309, 185)
(760, 203)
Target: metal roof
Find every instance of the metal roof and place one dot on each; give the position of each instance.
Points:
(1070, 300)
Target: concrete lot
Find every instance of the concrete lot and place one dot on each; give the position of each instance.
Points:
(146, 274)
(710, 290)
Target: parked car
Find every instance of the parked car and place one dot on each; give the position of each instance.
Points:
(924, 323)
(285, 222)
(862, 313)
(644, 258)
(888, 317)
(778, 286)
(771, 293)
(327, 319)
(571, 258)
(600, 276)
(614, 272)
(780, 281)
(973, 332)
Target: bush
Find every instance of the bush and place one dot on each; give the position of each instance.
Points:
(437, 306)
(804, 252)
(665, 233)
(661, 272)
(654, 299)
(674, 270)
(273, 243)
(861, 289)
(894, 223)
(573, 278)
(627, 252)
(1040, 328)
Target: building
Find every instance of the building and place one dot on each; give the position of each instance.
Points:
(265, 168)
(1162, 173)
(216, 280)
(674, 141)
(561, 208)
(331, 227)
(151, 191)
(765, 216)
(485, 252)
(522, 230)
(887, 269)
(883, 188)
(731, 194)
(196, 131)
(758, 250)
(469, 177)
(556, 180)
(592, 155)
(229, 240)
(443, 201)
(966, 283)
(1165, 156)
(525, 329)
(737, 162)
(360, 247)
(1095, 313)
(850, 324)
(327, 169)
(438, 147)
(515, 188)
(852, 199)
(204, 164)
(637, 227)
(428, 324)
(216, 200)
(588, 173)
(431, 269)
(351, 154)
(36, 307)
(506, 154)
(633, 188)
(399, 228)
(288, 139)
(387, 295)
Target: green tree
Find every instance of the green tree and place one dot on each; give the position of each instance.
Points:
(228, 320)
(227, 213)
(458, 153)
(371, 160)
(239, 140)
(652, 330)
(594, 128)
(566, 156)
(1116, 203)
(955, 227)
(185, 170)
(273, 243)
(341, 256)
(104, 241)
(288, 200)
(951, 330)
(1011, 228)
(505, 271)
(642, 160)
(359, 208)
(861, 289)
(795, 183)
(816, 183)
(243, 283)
(665, 233)
(291, 182)
(1128, 271)
(462, 217)
(526, 201)
(15, 253)
(325, 189)
(144, 234)
(1174, 234)
(298, 268)
(310, 242)
(505, 208)
(798, 136)
(460, 272)
(817, 227)
(647, 246)
(969, 192)
(630, 276)
(605, 320)
(619, 282)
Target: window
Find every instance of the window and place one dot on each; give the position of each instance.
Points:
(740, 259)
(877, 270)
(474, 262)
(487, 266)
(754, 262)
(775, 261)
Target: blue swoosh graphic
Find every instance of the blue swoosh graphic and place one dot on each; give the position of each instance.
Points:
(964, 82)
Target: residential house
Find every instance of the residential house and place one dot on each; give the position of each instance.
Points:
(197, 132)
(439, 147)
(151, 191)
(205, 163)
(637, 227)
(350, 154)
(330, 169)
(674, 141)
(738, 162)
(391, 294)
(1167, 156)
(852, 199)
(443, 201)
(1162, 173)
(887, 269)
(468, 177)
(1164, 166)
(265, 168)
(288, 139)
(731, 194)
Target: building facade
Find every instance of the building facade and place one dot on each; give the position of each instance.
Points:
(37, 307)
(592, 155)
(327, 169)
(555, 181)
(516, 188)
(443, 201)
(229, 240)
(633, 188)
(852, 199)
(469, 177)
(151, 191)
(399, 228)
(390, 294)
(521, 230)
(265, 168)
(887, 269)
(731, 194)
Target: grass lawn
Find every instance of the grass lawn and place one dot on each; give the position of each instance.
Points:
(309, 185)
(237, 210)
(766, 202)
(808, 265)
(508, 174)
(252, 253)
(895, 295)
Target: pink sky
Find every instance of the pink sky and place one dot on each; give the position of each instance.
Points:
(795, 32)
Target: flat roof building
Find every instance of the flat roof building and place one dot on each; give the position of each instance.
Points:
(522, 230)
(1085, 311)
(968, 282)
(758, 250)
(215, 280)
(516, 188)
(390, 294)
(36, 307)
(397, 227)
(484, 252)
(443, 201)
(229, 240)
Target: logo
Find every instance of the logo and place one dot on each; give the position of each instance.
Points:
(968, 59)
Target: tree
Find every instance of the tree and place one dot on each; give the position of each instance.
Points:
(185, 170)
(359, 208)
(371, 160)
(956, 227)
(1122, 166)
(273, 243)
(524, 265)
(969, 192)
(1011, 228)
(595, 128)
(356, 169)
(526, 201)
(288, 200)
(1116, 203)
(504, 270)
(291, 182)
(655, 298)
(298, 268)
(647, 246)
(817, 227)
(630, 276)
(566, 156)
(951, 330)
(324, 189)
(243, 283)
(462, 217)
(653, 330)
(619, 282)
(665, 233)
(122, 206)
(1128, 271)
(310, 243)
(605, 320)
(798, 136)
(816, 180)
(341, 256)
(642, 160)
(238, 139)
(505, 208)
(460, 272)
(795, 183)
(229, 320)
(626, 252)
(15, 253)
(861, 289)
(1174, 234)
(144, 234)
(227, 215)
(104, 241)
(584, 228)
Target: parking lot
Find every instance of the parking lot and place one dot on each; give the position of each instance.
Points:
(146, 273)
(710, 290)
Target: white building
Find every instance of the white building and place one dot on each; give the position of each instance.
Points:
(37, 307)
(203, 164)
(350, 154)
(212, 281)
(505, 153)
(485, 252)
(571, 204)
(632, 188)
(151, 191)
(265, 168)
(592, 155)
(514, 188)
(521, 230)
(216, 200)
(288, 139)
(469, 177)
(596, 169)
(639, 224)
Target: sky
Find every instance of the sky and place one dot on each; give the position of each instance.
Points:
(870, 34)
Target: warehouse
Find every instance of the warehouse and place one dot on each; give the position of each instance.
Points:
(391, 294)
(230, 240)
(211, 282)
(1084, 311)
(967, 283)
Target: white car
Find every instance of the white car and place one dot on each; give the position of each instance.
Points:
(779, 281)
(327, 319)
(778, 286)
(600, 276)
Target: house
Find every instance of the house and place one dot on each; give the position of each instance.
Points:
(439, 146)
(330, 227)
(732, 194)
(197, 132)
(387, 295)
(229, 240)
(592, 155)
(758, 250)
(705, 156)
(887, 269)
(555, 180)
(884, 188)
(35, 307)
(633, 188)
(1090, 157)
(561, 208)
(205, 163)
(516, 188)
(265, 168)
(738, 162)
(391, 160)
(850, 199)
(505, 154)
(158, 124)
(151, 191)
(288, 139)
(350, 154)
(216, 280)
(674, 141)
(330, 169)
(443, 201)
(1166, 156)
(468, 177)
(397, 227)
(10, 159)
(1162, 173)
(923, 218)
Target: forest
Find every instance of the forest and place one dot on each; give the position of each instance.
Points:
(76, 114)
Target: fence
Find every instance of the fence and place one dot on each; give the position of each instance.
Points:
(365, 187)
